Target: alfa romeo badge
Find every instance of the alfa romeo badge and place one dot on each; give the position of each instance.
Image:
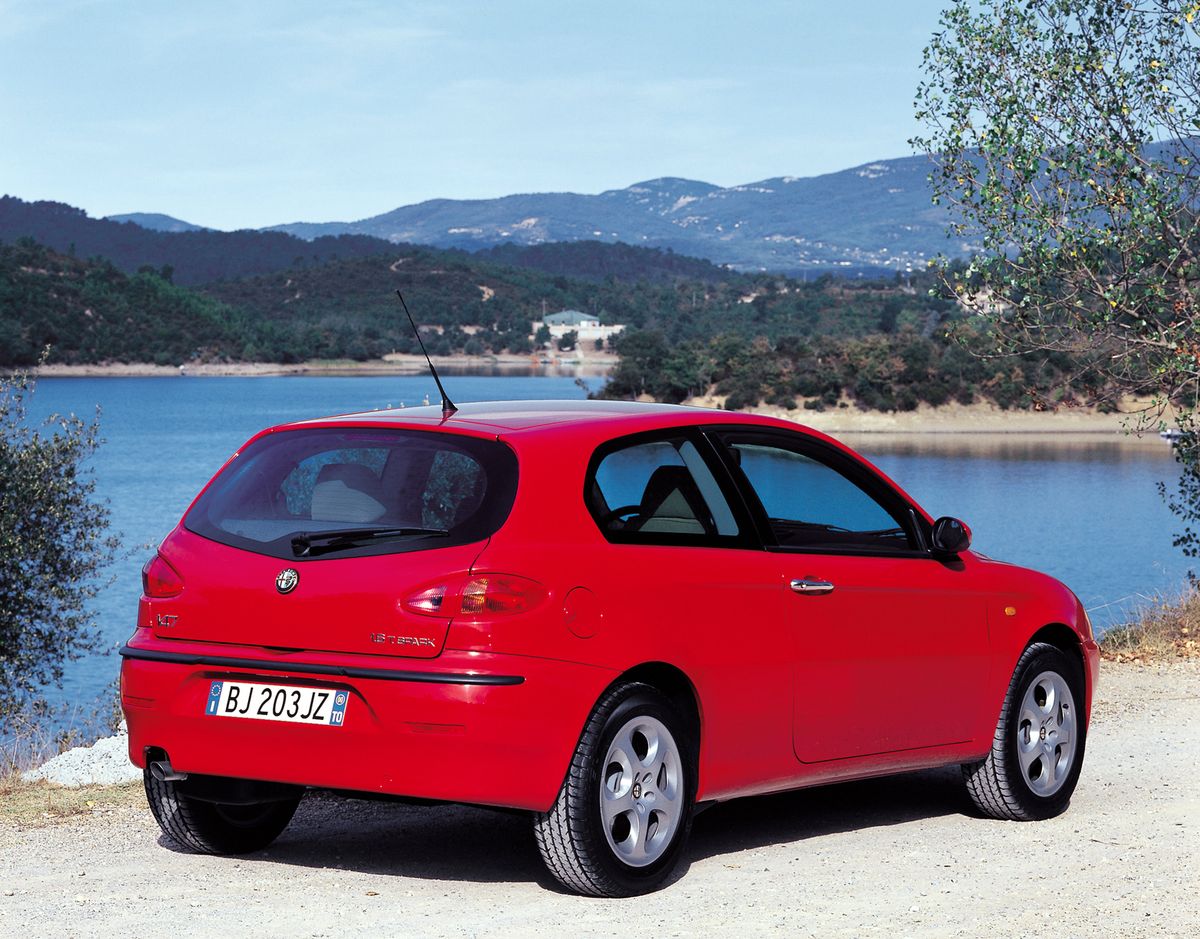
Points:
(287, 580)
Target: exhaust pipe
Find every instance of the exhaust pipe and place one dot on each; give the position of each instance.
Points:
(163, 772)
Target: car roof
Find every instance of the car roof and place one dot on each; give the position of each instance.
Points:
(511, 416)
(557, 423)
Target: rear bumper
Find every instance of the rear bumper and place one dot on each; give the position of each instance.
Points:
(465, 727)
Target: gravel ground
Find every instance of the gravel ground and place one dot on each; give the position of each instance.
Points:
(893, 857)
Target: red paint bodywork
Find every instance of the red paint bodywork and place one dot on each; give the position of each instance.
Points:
(904, 666)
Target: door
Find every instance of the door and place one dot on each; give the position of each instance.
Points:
(888, 643)
(683, 581)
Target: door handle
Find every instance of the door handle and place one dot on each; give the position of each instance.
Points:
(812, 587)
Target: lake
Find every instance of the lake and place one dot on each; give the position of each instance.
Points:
(1086, 511)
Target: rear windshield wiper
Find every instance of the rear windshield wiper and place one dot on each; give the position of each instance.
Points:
(310, 543)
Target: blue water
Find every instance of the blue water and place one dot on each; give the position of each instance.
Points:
(1089, 514)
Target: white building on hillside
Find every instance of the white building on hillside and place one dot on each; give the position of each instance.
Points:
(585, 325)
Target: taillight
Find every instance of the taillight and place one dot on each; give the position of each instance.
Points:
(477, 596)
(428, 601)
(160, 580)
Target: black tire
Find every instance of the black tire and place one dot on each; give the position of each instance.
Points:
(213, 827)
(572, 836)
(1000, 785)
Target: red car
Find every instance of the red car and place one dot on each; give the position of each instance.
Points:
(602, 613)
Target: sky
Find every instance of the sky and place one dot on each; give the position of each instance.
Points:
(260, 112)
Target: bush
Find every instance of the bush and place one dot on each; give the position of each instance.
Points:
(53, 543)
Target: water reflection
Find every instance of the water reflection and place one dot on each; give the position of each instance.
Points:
(1040, 447)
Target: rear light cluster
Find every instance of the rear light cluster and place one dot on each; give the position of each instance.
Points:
(477, 596)
(160, 580)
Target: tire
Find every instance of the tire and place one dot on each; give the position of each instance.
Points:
(214, 827)
(1037, 750)
(622, 818)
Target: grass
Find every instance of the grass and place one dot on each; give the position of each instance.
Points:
(36, 733)
(34, 804)
(1166, 630)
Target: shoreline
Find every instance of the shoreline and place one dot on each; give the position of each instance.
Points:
(393, 364)
(980, 419)
(1131, 424)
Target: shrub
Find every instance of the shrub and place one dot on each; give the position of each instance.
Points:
(53, 543)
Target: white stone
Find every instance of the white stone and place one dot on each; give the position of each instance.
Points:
(104, 763)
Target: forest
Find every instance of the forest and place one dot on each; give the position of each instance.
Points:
(885, 344)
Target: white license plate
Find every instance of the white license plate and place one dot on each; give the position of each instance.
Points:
(277, 703)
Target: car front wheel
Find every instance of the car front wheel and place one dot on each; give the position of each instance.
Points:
(623, 815)
(1037, 750)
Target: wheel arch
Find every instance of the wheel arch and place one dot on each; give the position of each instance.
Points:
(1063, 637)
(679, 689)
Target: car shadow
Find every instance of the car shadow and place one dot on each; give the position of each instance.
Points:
(470, 844)
(431, 842)
(802, 814)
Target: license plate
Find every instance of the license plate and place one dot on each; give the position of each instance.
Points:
(277, 703)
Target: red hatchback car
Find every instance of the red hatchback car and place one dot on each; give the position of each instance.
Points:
(602, 613)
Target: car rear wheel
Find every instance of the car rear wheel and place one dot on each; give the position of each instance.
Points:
(1037, 750)
(624, 812)
(216, 827)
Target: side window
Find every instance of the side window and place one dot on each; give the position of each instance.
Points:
(810, 504)
(648, 490)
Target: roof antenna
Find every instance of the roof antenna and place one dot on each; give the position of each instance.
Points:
(448, 407)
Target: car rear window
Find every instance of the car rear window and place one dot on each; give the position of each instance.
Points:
(339, 492)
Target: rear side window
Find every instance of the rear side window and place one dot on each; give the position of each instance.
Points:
(349, 491)
(659, 491)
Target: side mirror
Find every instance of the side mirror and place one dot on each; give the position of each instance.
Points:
(950, 536)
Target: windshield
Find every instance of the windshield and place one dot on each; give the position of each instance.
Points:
(339, 492)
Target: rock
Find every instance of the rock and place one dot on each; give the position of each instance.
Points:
(104, 763)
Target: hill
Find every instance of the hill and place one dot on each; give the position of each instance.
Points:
(597, 260)
(89, 311)
(878, 215)
(193, 257)
(822, 343)
(199, 256)
(156, 221)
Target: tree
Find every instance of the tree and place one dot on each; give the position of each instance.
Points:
(53, 543)
(1062, 133)
(642, 352)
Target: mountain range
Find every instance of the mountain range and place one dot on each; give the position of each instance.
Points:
(194, 256)
(879, 214)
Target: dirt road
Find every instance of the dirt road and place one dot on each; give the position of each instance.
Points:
(891, 857)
